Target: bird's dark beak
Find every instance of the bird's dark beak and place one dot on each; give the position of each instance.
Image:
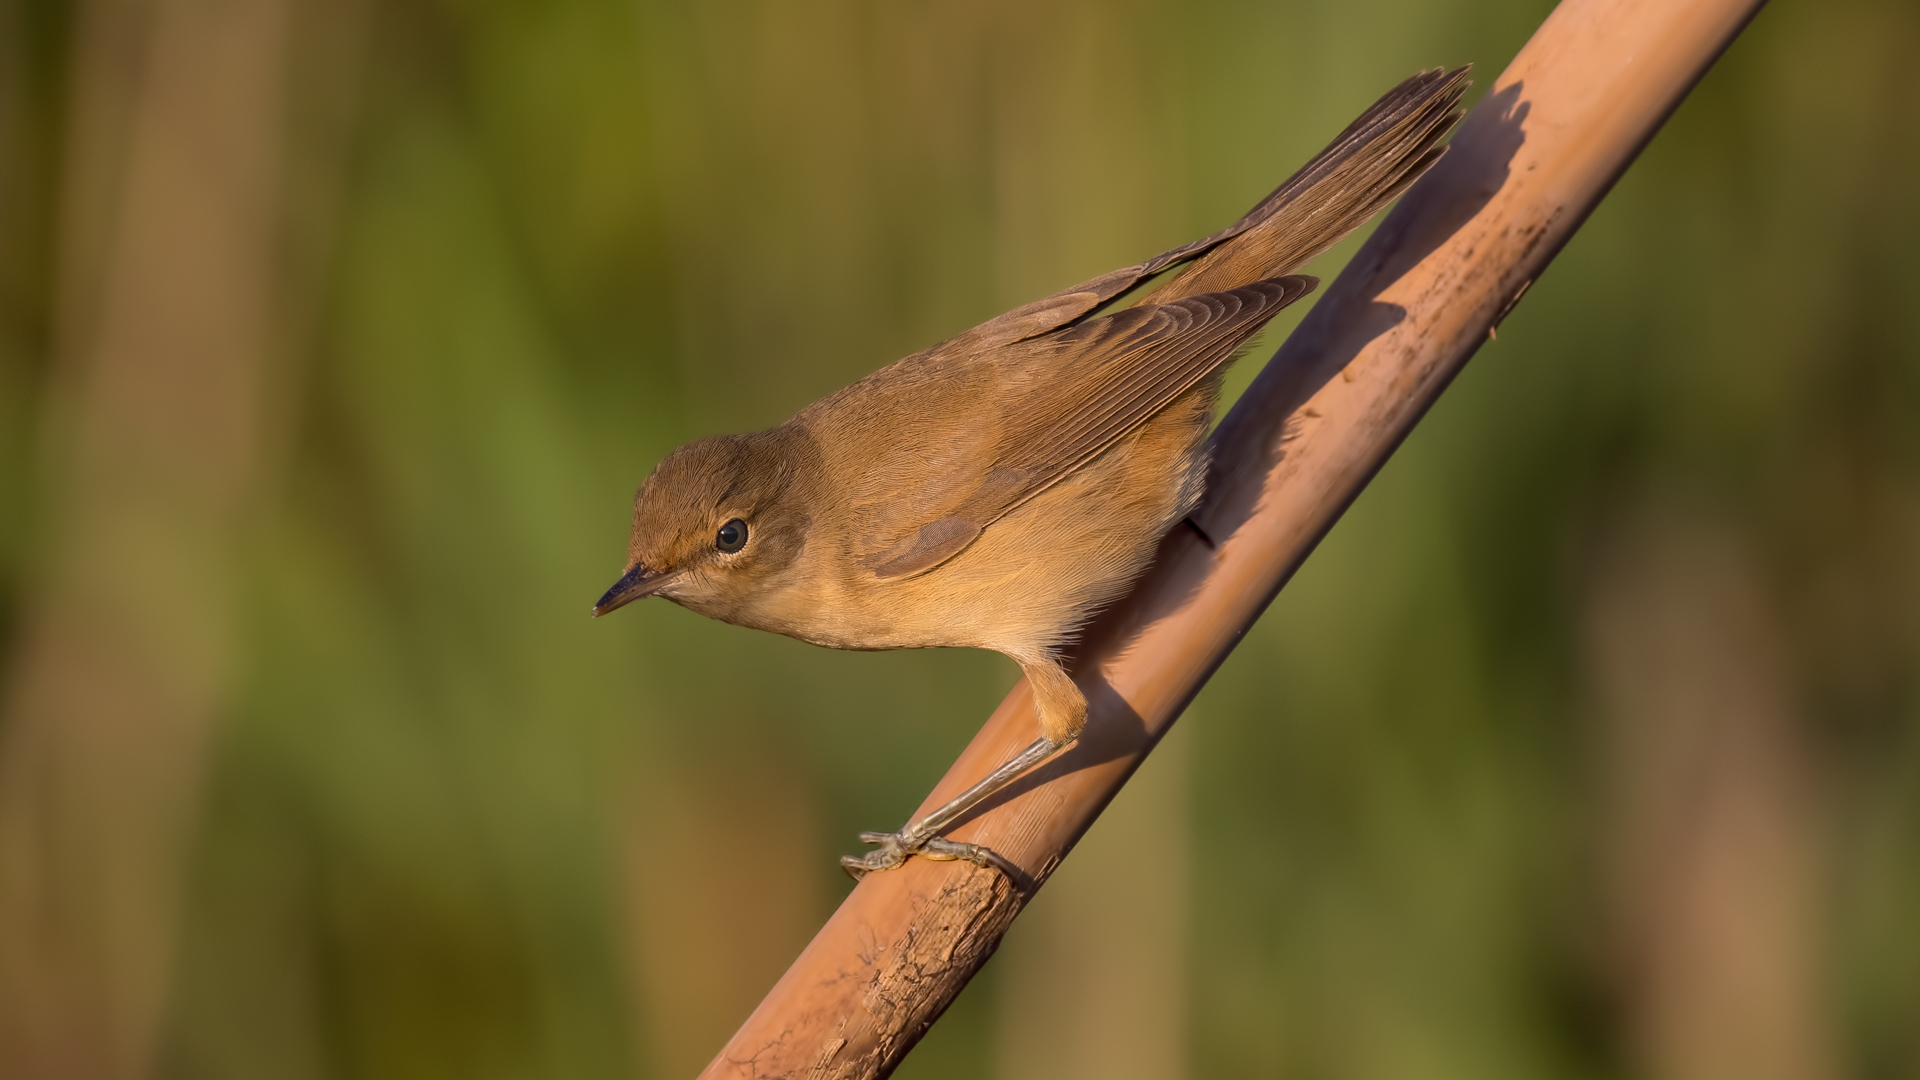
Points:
(636, 584)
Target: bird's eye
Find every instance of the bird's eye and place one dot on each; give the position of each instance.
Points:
(731, 537)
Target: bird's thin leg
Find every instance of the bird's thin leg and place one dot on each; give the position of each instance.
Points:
(918, 837)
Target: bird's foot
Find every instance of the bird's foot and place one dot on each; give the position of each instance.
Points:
(896, 848)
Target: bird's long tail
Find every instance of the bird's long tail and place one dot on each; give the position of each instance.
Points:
(1376, 158)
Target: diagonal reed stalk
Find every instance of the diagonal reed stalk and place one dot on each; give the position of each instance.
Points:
(1528, 164)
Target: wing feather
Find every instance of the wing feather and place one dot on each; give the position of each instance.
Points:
(1063, 399)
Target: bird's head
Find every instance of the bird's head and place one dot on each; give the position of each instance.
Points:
(717, 520)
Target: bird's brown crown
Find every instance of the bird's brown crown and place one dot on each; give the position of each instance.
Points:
(720, 515)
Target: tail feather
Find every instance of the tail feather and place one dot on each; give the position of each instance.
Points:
(1368, 165)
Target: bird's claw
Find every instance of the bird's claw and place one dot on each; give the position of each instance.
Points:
(894, 850)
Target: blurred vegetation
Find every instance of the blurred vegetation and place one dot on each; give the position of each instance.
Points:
(1422, 824)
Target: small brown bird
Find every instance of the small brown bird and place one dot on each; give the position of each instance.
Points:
(995, 490)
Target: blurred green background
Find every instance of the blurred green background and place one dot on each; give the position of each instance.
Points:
(336, 334)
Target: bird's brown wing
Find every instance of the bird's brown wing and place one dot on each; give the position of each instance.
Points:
(1037, 410)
